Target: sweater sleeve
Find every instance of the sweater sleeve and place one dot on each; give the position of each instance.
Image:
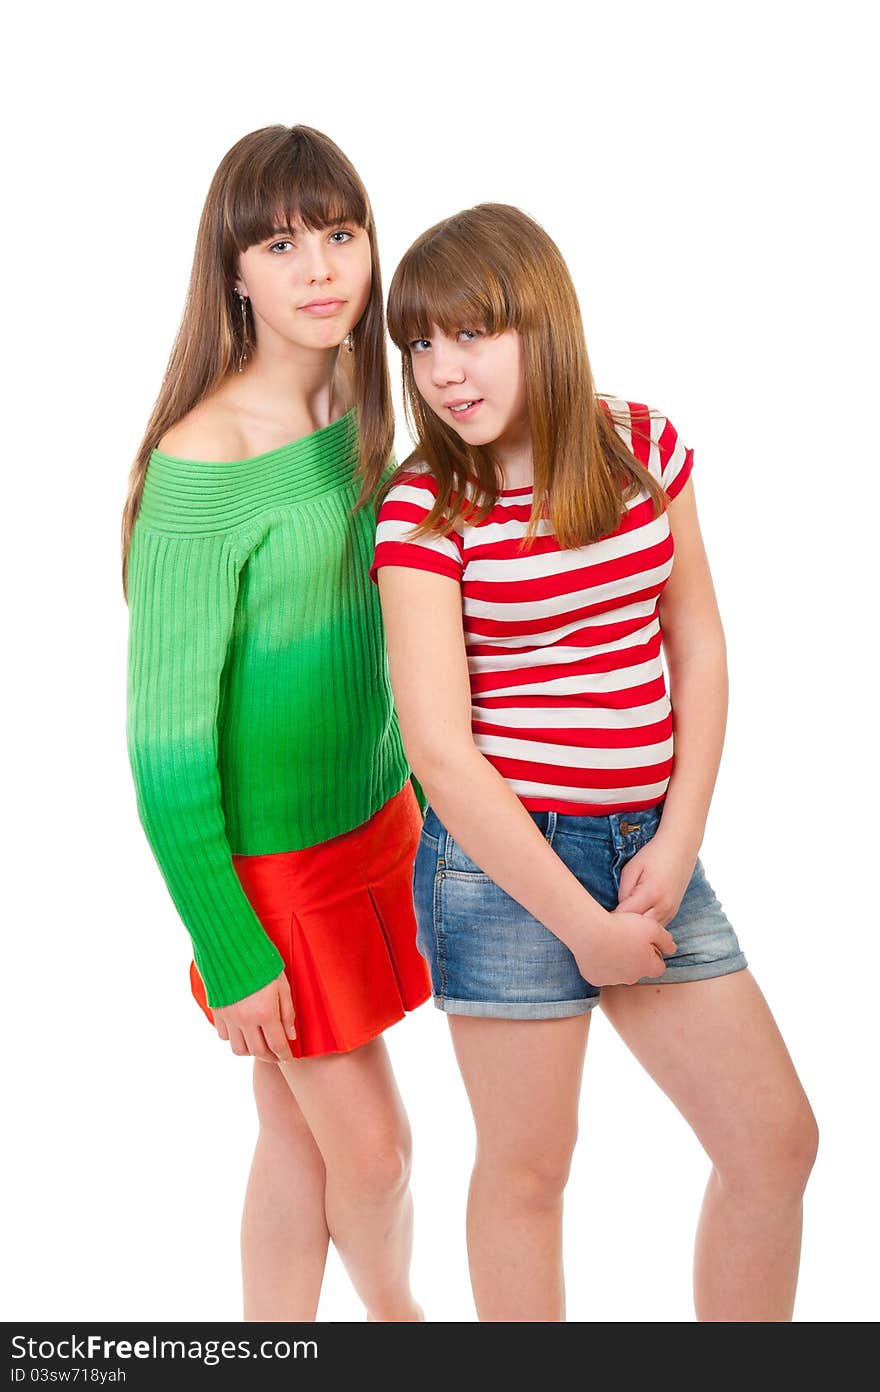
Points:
(182, 600)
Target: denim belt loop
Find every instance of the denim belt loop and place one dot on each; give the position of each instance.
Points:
(625, 831)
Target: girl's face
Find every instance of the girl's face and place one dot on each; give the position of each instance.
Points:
(307, 288)
(474, 382)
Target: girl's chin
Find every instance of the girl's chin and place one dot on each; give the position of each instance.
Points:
(476, 441)
(322, 343)
(475, 432)
(478, 436)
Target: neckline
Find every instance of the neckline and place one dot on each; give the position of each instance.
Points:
(501, 492)
(267, 454)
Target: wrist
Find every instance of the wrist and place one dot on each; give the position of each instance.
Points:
(680, 842)
(585, 927)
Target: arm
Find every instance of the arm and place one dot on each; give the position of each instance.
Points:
(182, 597)
(696, 658)
(429, 675)
(655, 879)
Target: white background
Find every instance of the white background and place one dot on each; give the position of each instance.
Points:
(707, 171)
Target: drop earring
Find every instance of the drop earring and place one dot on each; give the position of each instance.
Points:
(349, 341)
(243, 356)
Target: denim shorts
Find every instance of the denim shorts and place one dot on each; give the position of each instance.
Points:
(489, 956)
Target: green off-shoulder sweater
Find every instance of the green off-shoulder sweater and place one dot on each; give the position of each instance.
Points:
(260, 711)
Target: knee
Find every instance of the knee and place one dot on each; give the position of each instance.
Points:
(378, 1168)
(802, 1147)
(781, 1163)
(528, 1178)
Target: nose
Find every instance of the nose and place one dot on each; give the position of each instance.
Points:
(317, 267)
(446, 365)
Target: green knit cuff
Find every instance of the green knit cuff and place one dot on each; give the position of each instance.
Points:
(229, 979)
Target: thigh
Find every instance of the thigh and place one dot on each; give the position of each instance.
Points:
(351, 1102)
(716, 1051)
(277, 1108)
(523, 1080)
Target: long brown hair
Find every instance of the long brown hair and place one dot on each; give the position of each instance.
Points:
(278, 171)
(493, 267)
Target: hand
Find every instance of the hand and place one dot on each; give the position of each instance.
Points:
(623, 949)
(259, 1025)
(655, 880)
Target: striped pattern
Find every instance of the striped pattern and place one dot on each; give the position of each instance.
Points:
(260, 712)
(568, 691)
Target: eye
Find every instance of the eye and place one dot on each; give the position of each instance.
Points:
(276, 245)
(341, 233)
(419, 345)
(469, 334)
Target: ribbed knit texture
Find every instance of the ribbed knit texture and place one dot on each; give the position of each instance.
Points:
(260, 711)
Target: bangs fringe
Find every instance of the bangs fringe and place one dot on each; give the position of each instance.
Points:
(441, 281)
(298, 180)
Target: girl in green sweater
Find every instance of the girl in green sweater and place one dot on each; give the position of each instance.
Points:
(269, 769)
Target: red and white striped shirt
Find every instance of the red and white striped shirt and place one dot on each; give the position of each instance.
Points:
(568, 691)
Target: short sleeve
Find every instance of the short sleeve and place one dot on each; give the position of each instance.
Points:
(406, 505)
(676, 460)
(655, 442)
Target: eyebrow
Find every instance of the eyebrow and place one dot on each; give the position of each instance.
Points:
(292, 231)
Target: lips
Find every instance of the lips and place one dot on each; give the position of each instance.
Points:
(320, 308)
(464, 408)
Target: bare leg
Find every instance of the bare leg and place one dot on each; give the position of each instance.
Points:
(523, 1079)
(355, 1113)
(284, 1235)
(715, 1050)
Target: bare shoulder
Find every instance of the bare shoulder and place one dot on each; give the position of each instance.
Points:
(209, 431)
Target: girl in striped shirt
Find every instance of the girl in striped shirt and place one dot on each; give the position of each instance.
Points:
(524, 556)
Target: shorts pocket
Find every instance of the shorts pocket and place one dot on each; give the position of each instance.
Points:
(431, 828)
(424, 876)
(458, 862)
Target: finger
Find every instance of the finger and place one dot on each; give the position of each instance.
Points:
(257, 1046)
(277, 1041)
(288, 1014)
(237, 1041)
(630, 877)
(221, 1027)
(636, 900)
(667, 943)
(664, 942)
(657, 912)
(659, 966)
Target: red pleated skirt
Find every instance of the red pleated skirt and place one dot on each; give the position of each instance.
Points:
(341, 915)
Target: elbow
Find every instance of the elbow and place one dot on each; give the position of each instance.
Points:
(708, 650)
(164, 768)
(705, 666)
